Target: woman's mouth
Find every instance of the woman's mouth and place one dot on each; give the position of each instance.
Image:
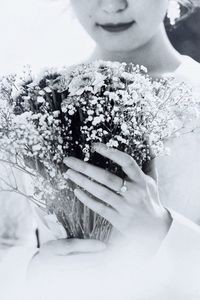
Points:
(110, 27)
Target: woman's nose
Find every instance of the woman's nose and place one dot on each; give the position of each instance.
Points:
(113, 6)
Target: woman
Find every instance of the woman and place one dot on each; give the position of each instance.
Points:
(123, 31)
(133, 31)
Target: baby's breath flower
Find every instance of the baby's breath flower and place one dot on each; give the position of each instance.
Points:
(63, 112)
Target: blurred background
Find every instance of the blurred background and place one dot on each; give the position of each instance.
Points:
(40, 33)
(45, 33)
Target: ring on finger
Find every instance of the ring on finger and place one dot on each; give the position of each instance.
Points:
(124, 188)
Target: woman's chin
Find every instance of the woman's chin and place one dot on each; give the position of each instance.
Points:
(117, 42)
(115, 46)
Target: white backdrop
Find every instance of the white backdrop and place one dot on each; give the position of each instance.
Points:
(41, 33)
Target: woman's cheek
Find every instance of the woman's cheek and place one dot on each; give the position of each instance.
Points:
(152, 10)
(84, 7)
(85, 10)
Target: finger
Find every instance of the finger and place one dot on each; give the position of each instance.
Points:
(106, 212)
(65, 247)
(100, 175)
(128, 164)
(97, 190)
(152, 170)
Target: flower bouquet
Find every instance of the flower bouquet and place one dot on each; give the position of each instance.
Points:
(61, 113)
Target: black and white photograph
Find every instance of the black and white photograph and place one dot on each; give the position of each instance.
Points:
(100, 150)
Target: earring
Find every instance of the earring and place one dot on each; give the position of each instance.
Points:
(174, 11)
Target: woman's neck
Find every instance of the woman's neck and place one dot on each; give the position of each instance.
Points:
(158, 55)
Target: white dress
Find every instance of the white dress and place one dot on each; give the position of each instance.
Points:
(177, 262)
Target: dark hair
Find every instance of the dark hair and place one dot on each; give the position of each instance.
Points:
(187, 7)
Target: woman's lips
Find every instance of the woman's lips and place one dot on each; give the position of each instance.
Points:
(116, 27)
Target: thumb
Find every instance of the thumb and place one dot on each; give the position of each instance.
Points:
(64, 247)
(80, 245)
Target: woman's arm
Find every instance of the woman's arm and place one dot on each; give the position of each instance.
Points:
(177, 260)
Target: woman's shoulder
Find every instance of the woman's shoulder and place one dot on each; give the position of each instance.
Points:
(189, 71)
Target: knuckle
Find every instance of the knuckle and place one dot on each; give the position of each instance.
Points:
(151, 181)
(145, 184)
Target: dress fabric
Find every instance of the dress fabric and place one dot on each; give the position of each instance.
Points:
(178, 173)
(178, 259)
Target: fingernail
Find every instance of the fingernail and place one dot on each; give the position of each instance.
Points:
(96, 146)
(78, 192)
(70, 173)
(66, 176)
(69, 161)
(99, 146)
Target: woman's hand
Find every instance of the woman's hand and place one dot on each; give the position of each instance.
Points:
(133, 208)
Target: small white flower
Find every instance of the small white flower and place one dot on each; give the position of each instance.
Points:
(36, 148)
(71, 112)
(40, 99)
(90, 112)
(96, 121)
(47, 89)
